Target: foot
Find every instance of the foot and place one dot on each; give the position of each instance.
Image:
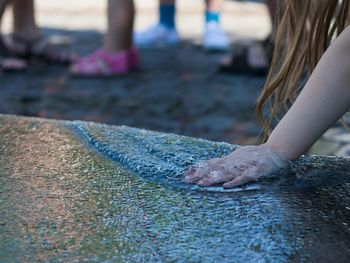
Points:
(39, 47)
(252, 59)
(9, 63)
(13, 64)
(158, 35)
(214, 38)
(104, 64)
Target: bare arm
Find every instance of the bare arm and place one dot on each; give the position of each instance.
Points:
(324, 99)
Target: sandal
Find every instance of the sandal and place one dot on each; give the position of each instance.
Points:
(104, 64)
(240, 64)
(9, 63)
(40, 48)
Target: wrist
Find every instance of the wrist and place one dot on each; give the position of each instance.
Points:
(284, 153)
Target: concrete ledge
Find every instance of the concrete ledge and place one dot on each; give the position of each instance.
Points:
(76, 191)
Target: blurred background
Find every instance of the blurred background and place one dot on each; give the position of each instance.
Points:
(239, 18)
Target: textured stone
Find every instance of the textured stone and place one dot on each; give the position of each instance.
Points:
(77, 191)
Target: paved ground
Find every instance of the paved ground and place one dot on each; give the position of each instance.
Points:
(177, 90)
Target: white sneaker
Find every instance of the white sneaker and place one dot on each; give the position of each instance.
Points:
(158, 35)
(214, 38)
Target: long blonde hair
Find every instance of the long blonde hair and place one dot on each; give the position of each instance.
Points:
(303, 35)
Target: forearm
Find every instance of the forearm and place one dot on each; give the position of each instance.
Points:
(324, 99)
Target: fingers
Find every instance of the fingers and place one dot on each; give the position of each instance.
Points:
(197, 172)
(204, 176)
(193, 179)
(191, 170)
(245, 177)
(215, 177)
(242, 166)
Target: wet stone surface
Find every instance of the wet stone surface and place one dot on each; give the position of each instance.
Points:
(76, 191)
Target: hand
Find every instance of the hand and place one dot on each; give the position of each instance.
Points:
(245, 164)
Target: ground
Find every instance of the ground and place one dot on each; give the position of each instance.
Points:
(176, 90)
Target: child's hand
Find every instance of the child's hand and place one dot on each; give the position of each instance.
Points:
(246, 164)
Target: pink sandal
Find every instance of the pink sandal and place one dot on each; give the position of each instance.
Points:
(104, 64)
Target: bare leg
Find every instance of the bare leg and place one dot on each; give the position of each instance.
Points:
(3, 4)
(24, 19)
(27, 39)
(117, 55)
(167, 2)
(8, 63)
(214, 5)
(256, 56)
(120, 25)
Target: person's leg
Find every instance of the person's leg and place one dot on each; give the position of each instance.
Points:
(213, 10)
(117, 55)
(214, 37)
(27, 39)
(24, 24)
(255, 58)
(8, 63)
(164, 32)
(3, 4)
(167, 12)
(120, 25)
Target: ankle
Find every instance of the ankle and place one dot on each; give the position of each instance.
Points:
(115, 49)
(28, 34)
